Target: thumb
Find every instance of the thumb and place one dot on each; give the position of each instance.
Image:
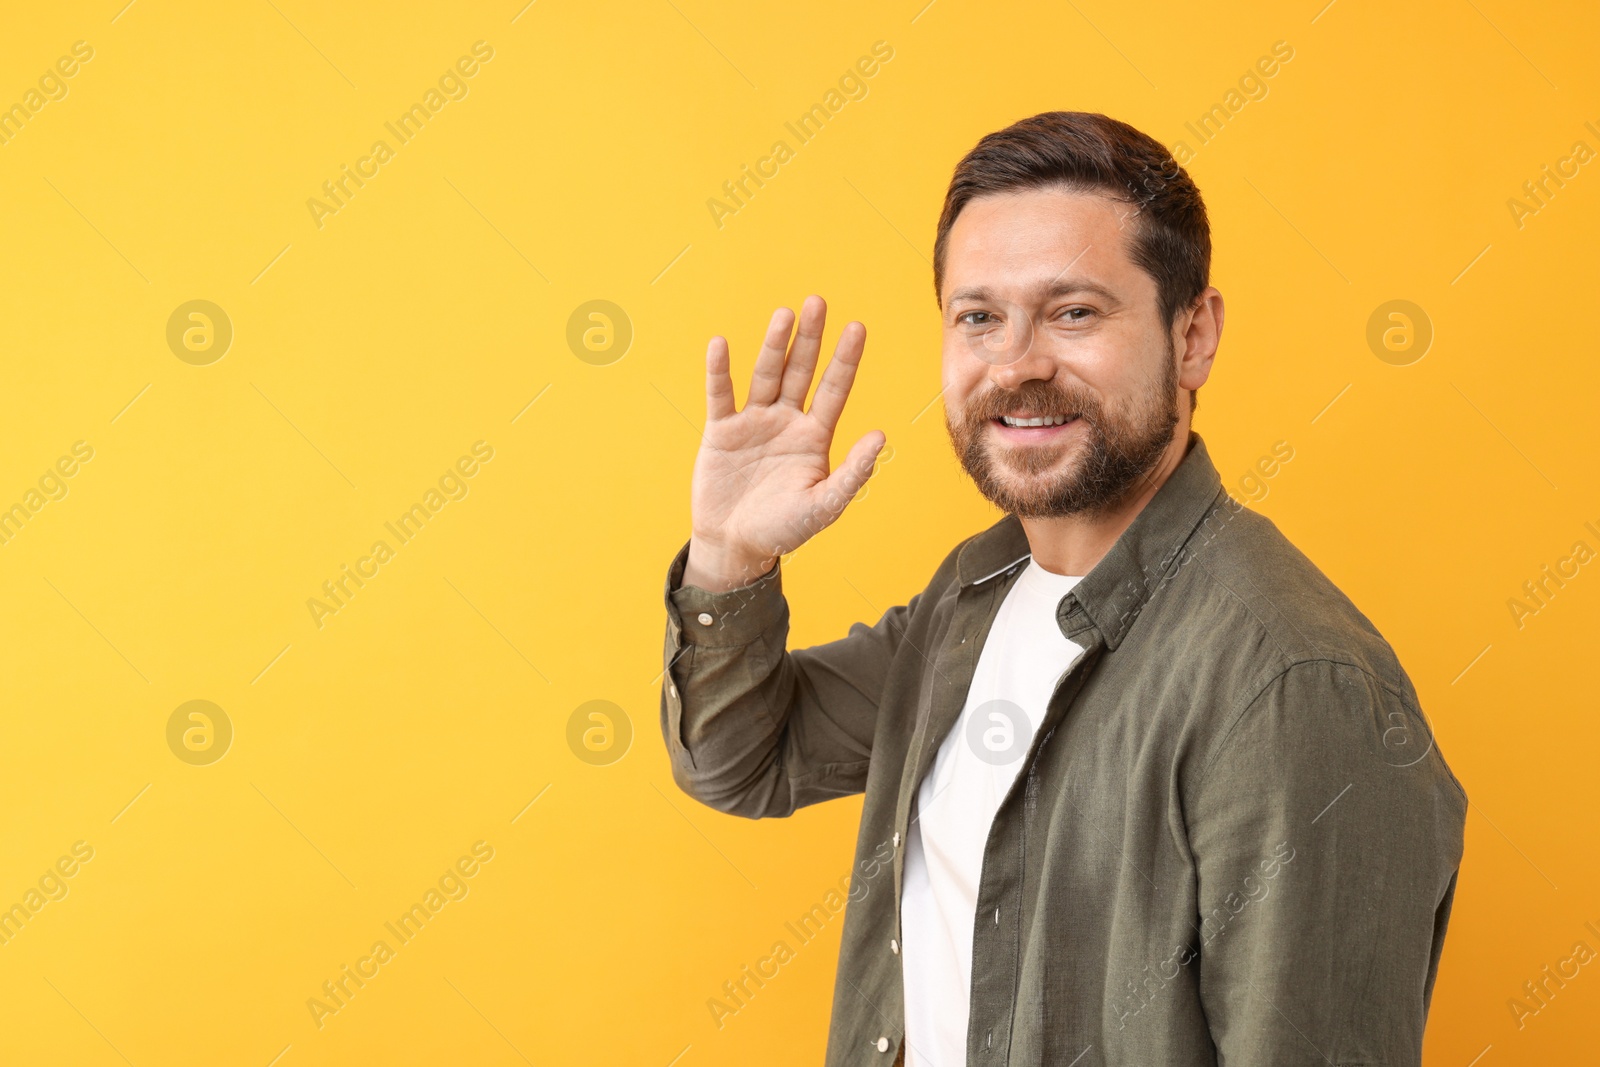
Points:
(841, 486)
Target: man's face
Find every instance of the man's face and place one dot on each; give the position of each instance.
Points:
(1045, 315)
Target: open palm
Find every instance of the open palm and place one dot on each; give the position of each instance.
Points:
(762, 485)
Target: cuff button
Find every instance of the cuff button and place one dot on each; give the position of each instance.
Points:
(704, 618)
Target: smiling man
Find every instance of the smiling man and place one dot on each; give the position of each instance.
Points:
(1141, 785)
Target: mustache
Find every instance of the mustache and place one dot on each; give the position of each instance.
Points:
(1033, 398)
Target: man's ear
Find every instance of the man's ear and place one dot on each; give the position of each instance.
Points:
(1199, 331)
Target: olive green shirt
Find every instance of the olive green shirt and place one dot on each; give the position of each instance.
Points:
(1234, 839)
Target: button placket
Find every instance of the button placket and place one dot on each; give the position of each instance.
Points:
(977, 606)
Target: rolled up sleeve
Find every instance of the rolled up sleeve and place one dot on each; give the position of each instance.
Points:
(752, 728)
(1326, 834)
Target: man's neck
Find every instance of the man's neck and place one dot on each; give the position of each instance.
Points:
(1073, 544)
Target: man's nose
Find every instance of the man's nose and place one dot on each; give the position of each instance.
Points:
(1027, 358)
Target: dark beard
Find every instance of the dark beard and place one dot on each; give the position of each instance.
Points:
(1118, 451)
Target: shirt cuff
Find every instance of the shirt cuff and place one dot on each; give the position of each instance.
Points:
(729, 619)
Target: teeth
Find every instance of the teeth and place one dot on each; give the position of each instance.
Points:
(1043, 420)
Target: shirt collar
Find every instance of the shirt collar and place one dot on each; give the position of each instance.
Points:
(1116, 588)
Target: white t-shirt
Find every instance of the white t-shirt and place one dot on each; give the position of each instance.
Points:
(1023, 657)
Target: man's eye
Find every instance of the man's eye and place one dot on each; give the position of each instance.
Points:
(1079, 314)
(966, 317)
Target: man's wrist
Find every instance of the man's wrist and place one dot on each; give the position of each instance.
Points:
(719, 570)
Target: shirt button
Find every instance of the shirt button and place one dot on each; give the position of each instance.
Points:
(894, 946)
(897, 839)
(672, 691)
(705, 618)
(883, 1044)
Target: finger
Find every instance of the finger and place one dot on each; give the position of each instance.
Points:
(803, 356)
(834, 388)
(719, 383)
(840, 487)
(768, 372)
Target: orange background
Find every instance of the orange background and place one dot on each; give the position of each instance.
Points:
(368, 353)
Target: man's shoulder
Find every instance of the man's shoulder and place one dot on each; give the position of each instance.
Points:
(1280, 627)
(1249, 581)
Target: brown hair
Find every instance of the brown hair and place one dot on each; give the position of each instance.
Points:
(1086, 151)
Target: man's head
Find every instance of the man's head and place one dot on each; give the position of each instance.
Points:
(1072, 268)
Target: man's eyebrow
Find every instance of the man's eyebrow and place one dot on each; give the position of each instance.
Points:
(1061, 287)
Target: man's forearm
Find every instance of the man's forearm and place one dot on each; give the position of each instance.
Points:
(752, 728)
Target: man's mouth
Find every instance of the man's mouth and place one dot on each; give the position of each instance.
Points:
(1017, 422)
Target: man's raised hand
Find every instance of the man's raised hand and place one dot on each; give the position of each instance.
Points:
(761, 484)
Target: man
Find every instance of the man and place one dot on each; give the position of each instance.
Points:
(1142, 787)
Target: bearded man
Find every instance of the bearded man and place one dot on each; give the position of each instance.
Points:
(1141, 785)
